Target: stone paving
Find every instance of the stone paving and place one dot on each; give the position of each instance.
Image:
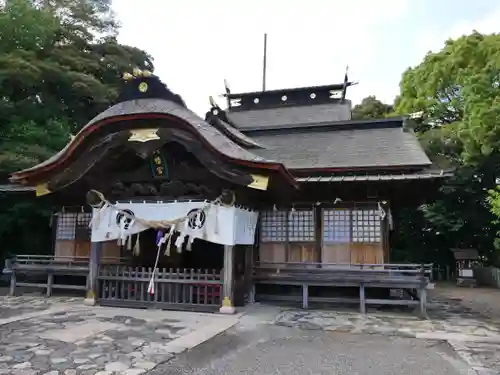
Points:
(61, 336)
(15, 306)
(94, 340)
(474, 337)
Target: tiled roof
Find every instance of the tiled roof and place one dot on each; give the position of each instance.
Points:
(159, 106)
(329, 148)
(292, 115)
(424, 175)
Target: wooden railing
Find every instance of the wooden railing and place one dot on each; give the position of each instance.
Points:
(406, 277)
(403, 268)
(34, 268)
(187, 289)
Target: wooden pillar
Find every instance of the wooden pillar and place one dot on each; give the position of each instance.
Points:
(12, 290)
(362, 299)
(94, 260)
(249, 274)
(305, 296)
(227, 302)
(423, 301)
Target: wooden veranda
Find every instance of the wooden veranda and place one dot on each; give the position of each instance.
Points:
(122, 285)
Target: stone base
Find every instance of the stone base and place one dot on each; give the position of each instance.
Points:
(466, 282)
(227, 310)
(89, 301)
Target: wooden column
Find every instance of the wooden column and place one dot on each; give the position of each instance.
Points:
(94, 260)
(227, 302)
(249, 273)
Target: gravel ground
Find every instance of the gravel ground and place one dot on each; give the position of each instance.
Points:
(279, 350)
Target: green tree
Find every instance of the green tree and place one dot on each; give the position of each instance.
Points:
(52, 66)
(460, 85)
(371, 108)
(60, 65)
(455, 90)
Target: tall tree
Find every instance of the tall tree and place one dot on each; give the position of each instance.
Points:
(371, 108)
(456, 89)
(60, 65)
(460, 85)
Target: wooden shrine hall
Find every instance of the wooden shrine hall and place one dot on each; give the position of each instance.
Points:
(280, 196)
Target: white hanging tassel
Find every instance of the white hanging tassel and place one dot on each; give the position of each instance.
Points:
(163, 241)
(381, 211)
(129, 243)
(169, 239)
(389, 219)
(179, 241)
(137, 246)
(189, 243)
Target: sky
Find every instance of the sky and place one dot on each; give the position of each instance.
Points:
(196, 44)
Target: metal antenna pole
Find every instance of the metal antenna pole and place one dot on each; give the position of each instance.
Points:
(264, 65)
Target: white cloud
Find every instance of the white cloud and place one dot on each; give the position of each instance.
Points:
(198, 44)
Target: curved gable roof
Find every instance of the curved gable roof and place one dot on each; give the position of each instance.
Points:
(157, 108)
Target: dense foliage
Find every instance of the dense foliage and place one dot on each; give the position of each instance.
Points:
(457, 91)
(369, 108)
(60, 65)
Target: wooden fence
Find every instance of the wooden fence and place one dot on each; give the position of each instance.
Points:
(42, 271)
(443, 273)
(487, 276)
(184, 289)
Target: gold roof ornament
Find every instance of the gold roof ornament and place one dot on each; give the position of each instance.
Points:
(147, 73)
(127, 76)
(143, 135)
(143, 87)
(137, 72)
(42, 189)
(259, 182)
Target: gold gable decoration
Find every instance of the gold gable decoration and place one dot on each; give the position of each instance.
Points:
(259, 182)
(143, 135)
(41, 190)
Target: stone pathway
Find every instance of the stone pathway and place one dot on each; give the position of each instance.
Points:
(16, 306)
(474, 337)
(61, 336)
(80, 340)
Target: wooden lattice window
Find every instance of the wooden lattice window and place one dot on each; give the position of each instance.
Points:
(336, 226)
(82, 230)
(301, 226)
(66, 224)
(273, 225)
(366, 226)
(71, 225)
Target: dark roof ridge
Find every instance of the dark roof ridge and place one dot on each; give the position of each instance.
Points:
(311, 103)
(389, 122)
(334, 86)
(231, 131)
